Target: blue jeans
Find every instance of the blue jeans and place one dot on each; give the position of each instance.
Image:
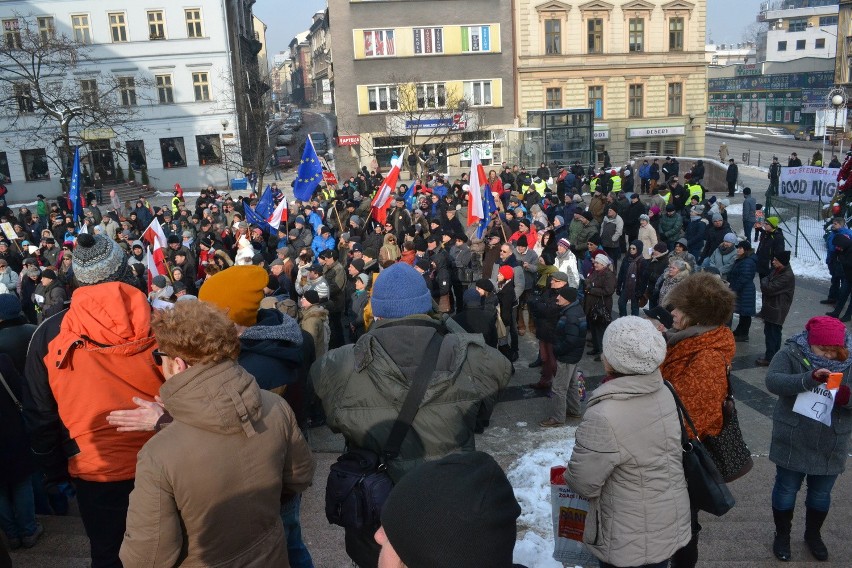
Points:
(836, 271)
(17, 509)
(788, 483)
(300, 556)
(622, 306)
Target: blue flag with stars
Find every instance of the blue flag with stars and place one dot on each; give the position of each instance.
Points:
(309, 174)
(489, 206)
(74, 193)
(261, 211)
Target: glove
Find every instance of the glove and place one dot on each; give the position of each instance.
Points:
(842, 396)
(817, 378)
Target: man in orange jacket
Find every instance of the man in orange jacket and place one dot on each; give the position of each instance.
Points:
(82, 363)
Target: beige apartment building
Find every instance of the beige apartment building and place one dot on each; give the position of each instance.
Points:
(639, 64)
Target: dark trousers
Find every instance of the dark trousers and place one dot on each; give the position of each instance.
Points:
(743, 326)
(772, 334)
(597, 336)
(458, 293)
(662, 564)
(687, 557)
(362, 548)
(335, 325)
(614, 253)
(836, 271)
(103, 508)
(732, 188)
(548, 361)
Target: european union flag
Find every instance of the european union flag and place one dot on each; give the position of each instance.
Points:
(488, 207)
(74, 190)
(309, 174)
(261, 212)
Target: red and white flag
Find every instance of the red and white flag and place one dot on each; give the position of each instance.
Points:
(281, 213)
(384, 196)
(156, 260)
(478, 179)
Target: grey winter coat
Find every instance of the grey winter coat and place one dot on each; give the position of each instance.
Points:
(611, 231)
(627, 461)
(362, 388)
(800, 443)
(722, 259)
(531, 274)
(777, 290)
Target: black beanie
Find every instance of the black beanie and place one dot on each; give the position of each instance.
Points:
(457, 511)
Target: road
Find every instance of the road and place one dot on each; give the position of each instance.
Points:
(762, 147)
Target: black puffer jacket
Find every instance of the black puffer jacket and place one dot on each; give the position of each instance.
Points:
(570, 337)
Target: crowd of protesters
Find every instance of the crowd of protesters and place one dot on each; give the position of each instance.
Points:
(134, 383)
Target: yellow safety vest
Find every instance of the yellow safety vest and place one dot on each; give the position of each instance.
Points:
(694, 189)
(616, 183)
(540, 187)
(666, 196)
(593, 185)
(175, 204)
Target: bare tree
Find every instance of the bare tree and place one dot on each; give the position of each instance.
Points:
(755, 32)
(46, 88)
(430, 121)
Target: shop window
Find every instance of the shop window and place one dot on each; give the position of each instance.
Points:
(209, 149)
(35, 164)
(173, 152)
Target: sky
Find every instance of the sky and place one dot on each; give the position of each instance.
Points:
(286, 18)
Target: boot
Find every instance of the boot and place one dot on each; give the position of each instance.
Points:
(781, 544)
(686, 557)
(813, 523)
(522, 328)
(531, 325)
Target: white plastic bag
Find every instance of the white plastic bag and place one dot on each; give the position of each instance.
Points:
(816, 404)
(569, 520)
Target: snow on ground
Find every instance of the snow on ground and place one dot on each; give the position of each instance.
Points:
(813, 269)
(530, 476)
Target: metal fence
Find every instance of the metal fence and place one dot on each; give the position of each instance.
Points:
(803, 224)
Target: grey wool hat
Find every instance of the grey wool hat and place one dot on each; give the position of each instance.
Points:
(99, 259)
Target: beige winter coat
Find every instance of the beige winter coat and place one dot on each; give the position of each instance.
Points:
(209, 485)
(627, 462)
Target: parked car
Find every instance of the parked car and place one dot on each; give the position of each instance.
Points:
(320, 141)
(285, 137)
(283, 158)
(293, 123)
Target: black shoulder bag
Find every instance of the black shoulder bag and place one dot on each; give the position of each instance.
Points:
(729, 450)
(358, 483)
(707, 489)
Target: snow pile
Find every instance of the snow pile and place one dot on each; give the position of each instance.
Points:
(808, 268)
(530, 476)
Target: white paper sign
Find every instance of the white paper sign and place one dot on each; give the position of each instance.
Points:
(808, 183)
(816, 404)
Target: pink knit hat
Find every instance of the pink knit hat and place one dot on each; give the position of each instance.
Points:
(826, 330)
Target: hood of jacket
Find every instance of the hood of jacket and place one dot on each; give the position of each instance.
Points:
(113, 317)
(217, 397)
(274, 325)
(627, 387)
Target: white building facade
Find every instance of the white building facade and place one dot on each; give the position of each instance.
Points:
(185, 117)
(796, 32)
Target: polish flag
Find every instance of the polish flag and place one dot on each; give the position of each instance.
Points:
(478, 179)
(280, 214)
(156, 259)
(384, 196)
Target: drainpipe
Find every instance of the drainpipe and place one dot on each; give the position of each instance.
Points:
(515, 77)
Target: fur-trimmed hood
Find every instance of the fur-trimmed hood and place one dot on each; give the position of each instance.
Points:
(704, 298)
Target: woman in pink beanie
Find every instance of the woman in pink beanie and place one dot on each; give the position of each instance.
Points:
(803, 446)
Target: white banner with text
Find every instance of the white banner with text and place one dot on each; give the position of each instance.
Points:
(808, 183)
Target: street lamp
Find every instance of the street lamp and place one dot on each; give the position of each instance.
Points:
(837, 98)
(224, 123)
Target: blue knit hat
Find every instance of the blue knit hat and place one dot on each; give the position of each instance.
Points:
(400, 291)
(10, 306)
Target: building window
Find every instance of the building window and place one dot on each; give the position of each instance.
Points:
(553, 97)
(676, 34)
(118, 27)
(797, 25)
(782, 46)
(595, 35)
(164, 89)
(431, 95)
(428, 40)
(12, 33)
(636, 34)
(596, 100)
(635, 100)
(383, 98)
(46, 29)
(201, 86)
(553, 37)
(671, 148)
(35, 164)
(193, 23)
(478, 93)
(173, 152)
(476, 39)
(136, 154)
(5, 176)
(24, 99)
(127, 88)
(379, 43)
(80, 25)
(156, 25)
(820, 43)
(675, 99)
(827, 21)
(209, 149)
(89, 92)
(800, 44)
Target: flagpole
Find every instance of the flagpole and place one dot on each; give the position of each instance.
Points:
(339, 222)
